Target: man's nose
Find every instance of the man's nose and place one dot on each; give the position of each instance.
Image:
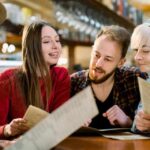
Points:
(100, 62)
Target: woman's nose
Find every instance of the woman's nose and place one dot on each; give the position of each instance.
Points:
(138, 56)
(54, 44)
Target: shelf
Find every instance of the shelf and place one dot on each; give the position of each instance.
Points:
(112, 17)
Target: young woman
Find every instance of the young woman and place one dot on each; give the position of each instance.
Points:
(37, 82)
(140, 43)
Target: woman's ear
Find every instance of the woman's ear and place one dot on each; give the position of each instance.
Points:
(121, 63)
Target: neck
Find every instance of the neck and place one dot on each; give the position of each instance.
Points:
(102, 90)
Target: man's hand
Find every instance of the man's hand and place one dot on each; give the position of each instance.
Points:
(117, 117)
(142, 121)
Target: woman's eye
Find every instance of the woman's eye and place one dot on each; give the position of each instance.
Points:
(135, 50)
(57, 41)
(46, 41)
(146, 51)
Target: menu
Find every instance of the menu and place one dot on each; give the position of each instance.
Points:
(59, 124)
(144, 87)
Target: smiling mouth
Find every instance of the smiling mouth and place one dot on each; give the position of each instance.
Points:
(98, 71)
(55, 55)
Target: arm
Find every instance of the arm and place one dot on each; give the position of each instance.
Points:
(4, 102)
(6, 128)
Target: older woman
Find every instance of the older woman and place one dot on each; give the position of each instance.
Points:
(140, 43)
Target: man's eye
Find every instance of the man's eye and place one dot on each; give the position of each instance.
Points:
(107, 59)
(46, 41)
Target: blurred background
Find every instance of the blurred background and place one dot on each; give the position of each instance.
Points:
(76, 21)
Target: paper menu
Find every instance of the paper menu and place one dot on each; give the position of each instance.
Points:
(144, 87)
(34, 115)
(59, 124)
(125, 136)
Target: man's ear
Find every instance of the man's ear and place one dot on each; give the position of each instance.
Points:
(121, 62)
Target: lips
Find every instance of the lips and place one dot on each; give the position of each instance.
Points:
(54, 54)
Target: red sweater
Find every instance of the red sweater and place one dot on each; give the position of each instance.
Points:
(12, 104)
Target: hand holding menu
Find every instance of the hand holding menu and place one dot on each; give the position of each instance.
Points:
(144, 87)
(59, 124)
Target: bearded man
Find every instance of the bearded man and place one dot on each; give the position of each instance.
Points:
(114, 86)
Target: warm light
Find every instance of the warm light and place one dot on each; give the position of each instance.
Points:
(8, 48)
(62, 61)
(4, 48)
(11, 48)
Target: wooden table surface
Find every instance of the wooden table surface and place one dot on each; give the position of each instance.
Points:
(95, 143)
(101, 143)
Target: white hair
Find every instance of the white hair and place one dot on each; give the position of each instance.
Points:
(141, 36)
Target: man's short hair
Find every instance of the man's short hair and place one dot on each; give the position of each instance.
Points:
(118, 34)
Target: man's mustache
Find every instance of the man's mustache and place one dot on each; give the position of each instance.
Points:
(99, 69)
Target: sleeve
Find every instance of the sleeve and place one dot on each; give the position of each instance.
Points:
(62, 89)
(4, 101)
(73, 84)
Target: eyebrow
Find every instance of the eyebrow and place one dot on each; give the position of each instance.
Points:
(105, 56)
(145, 46)
(47, 36)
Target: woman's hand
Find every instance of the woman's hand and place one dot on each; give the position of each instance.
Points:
(16, 127)
(116, 117)
(142, 121)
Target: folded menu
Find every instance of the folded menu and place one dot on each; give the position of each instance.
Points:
(144, 87)
(34, 115)
(60, 123)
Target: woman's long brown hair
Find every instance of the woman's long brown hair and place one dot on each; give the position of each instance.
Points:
(33, 62)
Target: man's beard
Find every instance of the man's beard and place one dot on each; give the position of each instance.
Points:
(104, 78)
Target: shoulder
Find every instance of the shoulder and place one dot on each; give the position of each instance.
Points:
(9, 73)
(128, 72)
(59, 72)
(58, 69)
(80, 74)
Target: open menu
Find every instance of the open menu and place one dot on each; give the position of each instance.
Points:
(59, 124)
(144, 87)
(112, 133)
(89, 131)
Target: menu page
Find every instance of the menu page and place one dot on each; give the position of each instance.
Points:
(125, 136)
(144, 87)
(59, 124)
(34, 115)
